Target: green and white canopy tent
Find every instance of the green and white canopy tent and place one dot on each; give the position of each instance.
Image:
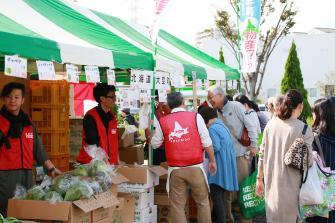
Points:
(61, 31)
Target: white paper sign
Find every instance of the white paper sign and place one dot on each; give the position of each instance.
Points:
(72, 73)
(206, 84)
(199, 84)
(46, 70)
(111, 77)
(162, 95)
(16, 66)
(145, 96)
(141, 79)
(177, 81)
(92, 74)
(162, 81)
(129, 98)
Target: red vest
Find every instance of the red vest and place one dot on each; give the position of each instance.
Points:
(181, 139)
(20, 155)
(109, 142)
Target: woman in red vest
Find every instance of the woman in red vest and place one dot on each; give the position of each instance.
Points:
(19, 145)
(100, 125)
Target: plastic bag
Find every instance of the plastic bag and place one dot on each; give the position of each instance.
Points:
(79, 191)
(98, 166)
(129, 129)
(104, 179)
(251, 205)
(144, 115)
(311, 191)
(35, 193)
(63, 183)
(96, 187)
(46, 183)
(20, 192)
(53, 197)
(96, 153)
(81, 170)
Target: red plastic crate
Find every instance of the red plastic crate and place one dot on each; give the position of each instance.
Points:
(56, 143)
(61, 162)
(50, 92)
(50, 118)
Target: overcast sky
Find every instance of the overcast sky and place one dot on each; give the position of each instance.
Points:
(184, 18)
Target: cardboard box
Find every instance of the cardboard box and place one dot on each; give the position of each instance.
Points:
(165, 166)
(144, 198)
(142, 176)
(101, 214)
(146, 215)
(125, 140)
(164, 211)
(133, 154)
(125, 210)
(160, 189)
(162, 200)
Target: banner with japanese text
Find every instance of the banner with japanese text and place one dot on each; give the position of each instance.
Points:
(250, 14)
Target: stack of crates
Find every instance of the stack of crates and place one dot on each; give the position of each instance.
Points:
(50, 114)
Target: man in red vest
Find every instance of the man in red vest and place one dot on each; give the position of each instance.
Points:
(100, 125)
(185, 137)
(19, 145)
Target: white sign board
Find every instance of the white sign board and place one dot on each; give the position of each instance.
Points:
(145, 96)
(111, 77)
(177, 81)
(16, 66)
(162, 81)
(72, 73)
(199, 84)
(162, 95)
(46, 70)
(141, 79)
(129, 98)
(92, 74)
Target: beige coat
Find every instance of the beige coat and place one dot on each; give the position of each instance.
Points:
(282, 182)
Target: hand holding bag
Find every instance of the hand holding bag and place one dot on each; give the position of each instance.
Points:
(245, 139)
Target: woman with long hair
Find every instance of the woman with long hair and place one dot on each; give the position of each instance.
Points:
(324, 129)
(279, 182)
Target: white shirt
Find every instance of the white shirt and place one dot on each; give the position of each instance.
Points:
(158, 138)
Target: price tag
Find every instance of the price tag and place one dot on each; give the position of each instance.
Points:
(72, 73)
(46, 70)
(92, 74)
(16, 66)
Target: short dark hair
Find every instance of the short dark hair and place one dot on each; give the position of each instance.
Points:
(207, 113)
(8, 88)
(324, 110)
(174, 100)
(102, 90)
(291, 101)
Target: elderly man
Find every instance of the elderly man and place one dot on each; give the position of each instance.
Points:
(185, 136)
(233, 115)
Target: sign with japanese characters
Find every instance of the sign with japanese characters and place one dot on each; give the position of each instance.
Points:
(145, 96)
(250, 14)
(72, 73)
(177, 80)
(162, 81)
(16, 66)
(129, 98)
(92, 74)
(141, 79)
(46, 70)
(111, 77)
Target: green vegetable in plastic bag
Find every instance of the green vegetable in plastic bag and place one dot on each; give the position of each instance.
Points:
(78, 191)
(35, 193)
(104, 179)
(81, 170)
(63, 183)
(97, 166)
(53, 197)
(8, 220)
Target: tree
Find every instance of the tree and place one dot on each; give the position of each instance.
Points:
(221, 57)
(293, 80)
(277, 19)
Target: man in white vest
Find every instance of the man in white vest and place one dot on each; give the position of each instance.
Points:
(185, 137)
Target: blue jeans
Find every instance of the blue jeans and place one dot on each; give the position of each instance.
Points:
(218, 213)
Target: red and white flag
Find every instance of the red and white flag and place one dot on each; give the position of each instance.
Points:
(160, 6)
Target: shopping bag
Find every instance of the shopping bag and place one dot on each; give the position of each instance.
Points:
(311, 191)
(250, 204)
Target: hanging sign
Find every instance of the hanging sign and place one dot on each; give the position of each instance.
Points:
(177, 81)
(145, 96)
(46, 70)
(111, 77)
(162, 81)
(206, 84)
(199, 84)
(250, 15)
(92, 74)
(162, 95)
(16, 66)
(129, 98)
(141, 79)
(72, 73)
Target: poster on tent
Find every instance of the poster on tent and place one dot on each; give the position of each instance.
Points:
(46, 70)
(250, 14)
(72, 73)
(199, 84)
(145, 96)
(129, 98)
(162, 96)
(141, 79)
(177, 81)
(92, 74)
(162, 81)
(111, 77)
(16, 66)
